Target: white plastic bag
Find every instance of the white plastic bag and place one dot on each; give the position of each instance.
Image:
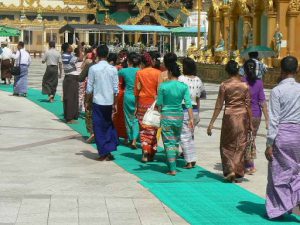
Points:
(152, 117)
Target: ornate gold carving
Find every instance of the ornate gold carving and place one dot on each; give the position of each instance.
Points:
(135, 20)
(221, 57)
(241, 5)
(215, 8)
(48, 9)
(36, 23)
(294, 6)
(153, 4)
(108, 20)
(31, 2)
(100, 7)
(185, 11)
(269, 6)
(160, 20)
(75, 2)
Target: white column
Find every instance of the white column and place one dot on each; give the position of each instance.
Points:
(66, 37)
(45, 39)
(87, 38)
(170, 43)
(22, 35)
(123, 39)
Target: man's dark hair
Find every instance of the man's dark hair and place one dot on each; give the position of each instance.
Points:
(65, 47)
(112, 57)
(289, 64)
(189, 66)
(51, 44)
(102, 51)
(21, 44)
(253, 55)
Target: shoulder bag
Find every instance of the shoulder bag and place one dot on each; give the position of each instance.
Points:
(16, 70)
(152, 117)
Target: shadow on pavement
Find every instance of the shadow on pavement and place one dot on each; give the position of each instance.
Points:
(253, 208)
(88, 154)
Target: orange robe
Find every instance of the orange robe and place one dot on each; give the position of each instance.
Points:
(119, 117)
(146, 85)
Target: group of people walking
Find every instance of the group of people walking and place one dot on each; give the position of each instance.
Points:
(122, 89)
(245, 102)
(15, 64)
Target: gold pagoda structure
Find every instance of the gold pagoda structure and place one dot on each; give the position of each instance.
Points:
(40, 20)
(238, 24)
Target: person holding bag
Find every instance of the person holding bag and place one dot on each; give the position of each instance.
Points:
(146, 85)
(171, 93)
(20, 70)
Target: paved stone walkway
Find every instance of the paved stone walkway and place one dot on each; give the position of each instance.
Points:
(47, 177)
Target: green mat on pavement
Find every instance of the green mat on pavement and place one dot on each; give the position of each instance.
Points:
(197, 195)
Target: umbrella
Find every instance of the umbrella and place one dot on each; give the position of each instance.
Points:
(9, 31)
(263, 51)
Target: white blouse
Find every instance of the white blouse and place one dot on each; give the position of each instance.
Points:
(195, 85)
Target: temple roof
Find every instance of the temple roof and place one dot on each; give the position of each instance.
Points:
(161, 12)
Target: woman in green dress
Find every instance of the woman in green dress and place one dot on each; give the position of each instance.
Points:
(129, 75)
(170, 96)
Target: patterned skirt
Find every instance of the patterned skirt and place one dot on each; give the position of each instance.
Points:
(187, 137)
(81, 90)
(88, 99)
(250, 153)
(147, 133)
(171, 124)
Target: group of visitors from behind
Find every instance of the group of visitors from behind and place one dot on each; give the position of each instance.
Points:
(117, 91)
(15, 64)
(245, 102)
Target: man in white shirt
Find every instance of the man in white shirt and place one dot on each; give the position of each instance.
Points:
(23, 60)
(6, 63)
(103, 84)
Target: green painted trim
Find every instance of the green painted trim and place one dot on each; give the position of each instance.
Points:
(197, 195)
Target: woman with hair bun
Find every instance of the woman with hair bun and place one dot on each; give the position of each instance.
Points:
(129, 76)
(236, 123)
(197, 91)
(258, 106)
(170, 96)
(146, 85)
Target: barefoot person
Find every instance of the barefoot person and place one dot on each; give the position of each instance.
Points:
(196, 88)
(258, 106)
(236, 124)
(129, 75)
(70, 83)
(145, 90)
(171, 93)
(283, 141)
(52, 58)
(103, 83)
